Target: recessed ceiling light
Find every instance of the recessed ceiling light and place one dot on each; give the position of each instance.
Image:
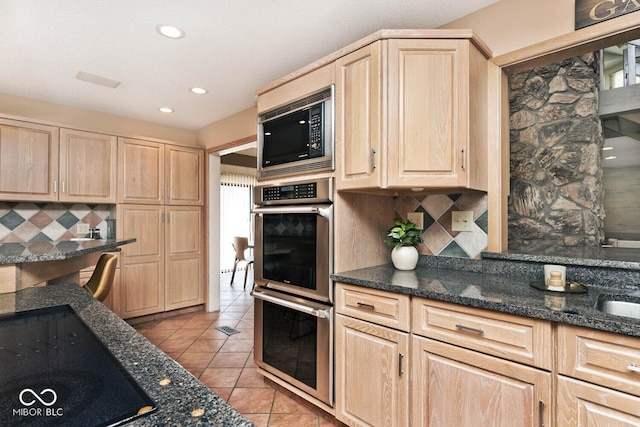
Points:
(610, 158)
(170, 31)
(198, 90)
(166, 109)
(607, 148)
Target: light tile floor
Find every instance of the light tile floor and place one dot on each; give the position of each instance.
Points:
(225, 363)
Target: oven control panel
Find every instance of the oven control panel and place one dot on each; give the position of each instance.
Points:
(300, 192)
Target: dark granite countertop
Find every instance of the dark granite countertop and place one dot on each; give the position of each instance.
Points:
(596, 256)
(147, 364)
(17, 253)
(503, 293)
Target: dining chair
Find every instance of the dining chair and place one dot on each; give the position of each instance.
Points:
(101, 281)
(240, 245)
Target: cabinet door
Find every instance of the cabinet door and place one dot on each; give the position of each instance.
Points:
(359, 122)
(457, 387)
(185, 170)
(88, 165)
(183, 257)
(140, 172)
(427, 112)
(28, 161)
(372, 384)
(581, 404)
(141, 264)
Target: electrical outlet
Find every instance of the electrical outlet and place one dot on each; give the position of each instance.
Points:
(82, 228)
(462, 221)
(417, 218)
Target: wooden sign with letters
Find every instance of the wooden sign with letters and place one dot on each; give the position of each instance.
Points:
(589, 12)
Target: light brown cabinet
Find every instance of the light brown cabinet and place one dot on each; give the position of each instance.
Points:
(88, 167)
(164, 268)
(372, 361)
(458, 387)
(45, 163)
(28, 161)
(411, 114)
(156, 173)
(599, 378)
(463, 384)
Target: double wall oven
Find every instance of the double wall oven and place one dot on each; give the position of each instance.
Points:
(293, 293)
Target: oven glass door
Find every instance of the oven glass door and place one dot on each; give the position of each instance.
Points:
(293, 250)
(293, 342)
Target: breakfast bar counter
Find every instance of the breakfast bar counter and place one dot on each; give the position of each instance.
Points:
(180, 398)
(26, 264)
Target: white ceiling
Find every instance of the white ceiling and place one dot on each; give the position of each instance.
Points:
(231, 48)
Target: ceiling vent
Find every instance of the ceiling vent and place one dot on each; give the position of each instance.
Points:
(92, 78)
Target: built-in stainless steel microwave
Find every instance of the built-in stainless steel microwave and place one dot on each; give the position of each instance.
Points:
(297, 138)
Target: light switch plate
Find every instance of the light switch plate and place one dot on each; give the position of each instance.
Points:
(82, 228)
(462, 221)
(417, 218)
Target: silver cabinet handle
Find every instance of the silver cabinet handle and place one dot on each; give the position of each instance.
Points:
(633, 368)
(55, 186)
(400, 370)
(469, 329)
(62, 187)
(463, 159)
(365, 305)
(373, 155)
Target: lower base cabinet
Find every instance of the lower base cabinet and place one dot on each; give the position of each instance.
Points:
(372, 374)
(585, 405)
(453, 386)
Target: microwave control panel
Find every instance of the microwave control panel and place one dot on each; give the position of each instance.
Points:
(318, 191)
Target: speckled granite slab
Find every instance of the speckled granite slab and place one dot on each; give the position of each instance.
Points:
(16, 253)
(465, 283)
(180, 402)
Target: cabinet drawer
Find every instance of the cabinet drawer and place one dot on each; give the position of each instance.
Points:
(516, 338)
(604, 358)
(384, 308)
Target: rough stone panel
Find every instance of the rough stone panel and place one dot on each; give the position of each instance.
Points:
(563, 98)
(562, 204)
(523, 169)
(561, 175)
(550, 113)
(547, 71)
(586, 106)
(536, 87)
(522, 119)
(527, 229)
(558, 84)
(584, 131)
(516, 81)
(569, 222)
(527, 200)
(591, 159)
(547, 157)
(553, 133)
(583, 193)
(581, 85)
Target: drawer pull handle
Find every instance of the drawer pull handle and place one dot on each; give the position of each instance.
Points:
(365, 305)
(400, 370)
(469, 329)
(541, 413)
(633, 367)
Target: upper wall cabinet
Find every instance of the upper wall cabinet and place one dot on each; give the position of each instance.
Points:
(155, 173)
(44, 163)
(28, 161)
(88, 165)
(410, 112)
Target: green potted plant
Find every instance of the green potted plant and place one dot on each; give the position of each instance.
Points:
(404, 237)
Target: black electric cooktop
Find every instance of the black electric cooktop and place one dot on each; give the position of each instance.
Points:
(55, 372)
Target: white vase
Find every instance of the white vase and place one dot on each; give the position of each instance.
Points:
(404, 257)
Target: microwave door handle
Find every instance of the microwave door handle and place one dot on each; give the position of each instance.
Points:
(289, 304)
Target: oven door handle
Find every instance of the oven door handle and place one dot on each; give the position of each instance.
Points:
(288, 210)
(321, 314)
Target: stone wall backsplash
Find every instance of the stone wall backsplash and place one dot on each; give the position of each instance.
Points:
(556, 143)
(438, 237)
(44, 222)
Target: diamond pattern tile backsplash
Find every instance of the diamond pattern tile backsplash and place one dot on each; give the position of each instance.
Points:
(438, 237)
(45, 222)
